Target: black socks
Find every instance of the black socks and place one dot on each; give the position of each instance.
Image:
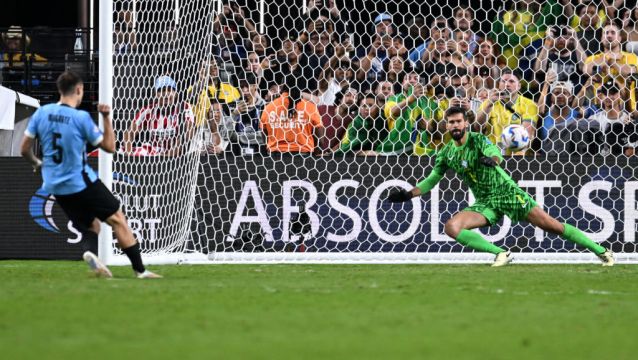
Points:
(135, 257)
(89, 241)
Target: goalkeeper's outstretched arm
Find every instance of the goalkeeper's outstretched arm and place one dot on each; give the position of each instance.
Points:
(421, 188)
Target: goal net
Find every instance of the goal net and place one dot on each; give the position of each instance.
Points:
(258, 131)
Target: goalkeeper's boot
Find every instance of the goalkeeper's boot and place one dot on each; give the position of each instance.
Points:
(607, 258)
(96, 265)
(502, 259)
(147, 275)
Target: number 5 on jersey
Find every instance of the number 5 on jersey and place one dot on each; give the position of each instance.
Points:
(57, 157)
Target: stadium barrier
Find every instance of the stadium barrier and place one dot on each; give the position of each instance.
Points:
(257, 210)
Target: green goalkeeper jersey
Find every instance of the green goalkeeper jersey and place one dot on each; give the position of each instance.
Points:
(484, 181)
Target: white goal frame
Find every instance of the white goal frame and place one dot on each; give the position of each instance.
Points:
(106, 245)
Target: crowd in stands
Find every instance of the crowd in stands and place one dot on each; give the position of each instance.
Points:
(564, 69)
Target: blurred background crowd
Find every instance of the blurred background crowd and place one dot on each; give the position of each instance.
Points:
(339, 77)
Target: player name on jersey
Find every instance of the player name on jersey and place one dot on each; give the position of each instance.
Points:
(59, 118)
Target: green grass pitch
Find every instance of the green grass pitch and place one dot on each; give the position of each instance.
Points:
(56, 310)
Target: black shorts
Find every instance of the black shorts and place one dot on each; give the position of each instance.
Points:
(96, 201)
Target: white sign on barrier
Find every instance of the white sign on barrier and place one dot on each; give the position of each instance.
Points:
(250, 189)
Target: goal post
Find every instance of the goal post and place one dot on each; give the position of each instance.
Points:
(151, 56)
(105, 96)
(199, 184)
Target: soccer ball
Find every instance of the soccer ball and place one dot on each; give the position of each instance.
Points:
(515, 138)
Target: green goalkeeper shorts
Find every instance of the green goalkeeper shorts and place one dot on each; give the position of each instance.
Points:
(516, 205)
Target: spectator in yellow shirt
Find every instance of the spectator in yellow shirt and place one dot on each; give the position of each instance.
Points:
(506, 106)
(613, 63)
(211, 88)
(16, 49)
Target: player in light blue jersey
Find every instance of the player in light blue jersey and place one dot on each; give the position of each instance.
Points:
(63, 132)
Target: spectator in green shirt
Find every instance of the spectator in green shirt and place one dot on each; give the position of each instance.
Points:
(527, 21)
(407, 116)
(365, 131)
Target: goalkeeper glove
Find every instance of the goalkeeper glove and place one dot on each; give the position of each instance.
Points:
(399, 196)
(487, 161)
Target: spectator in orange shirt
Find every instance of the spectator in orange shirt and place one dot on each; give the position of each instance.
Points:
(291, 124)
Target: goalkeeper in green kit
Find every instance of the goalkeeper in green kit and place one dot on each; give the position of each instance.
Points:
(475, 159)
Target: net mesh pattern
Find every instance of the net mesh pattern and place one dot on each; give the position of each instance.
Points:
(263, 127)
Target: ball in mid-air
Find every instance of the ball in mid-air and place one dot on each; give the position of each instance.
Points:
(515, 138)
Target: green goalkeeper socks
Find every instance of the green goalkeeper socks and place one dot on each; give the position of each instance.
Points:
(475, 241)
(574, 235)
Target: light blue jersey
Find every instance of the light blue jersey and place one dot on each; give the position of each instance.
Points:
(63, 133)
